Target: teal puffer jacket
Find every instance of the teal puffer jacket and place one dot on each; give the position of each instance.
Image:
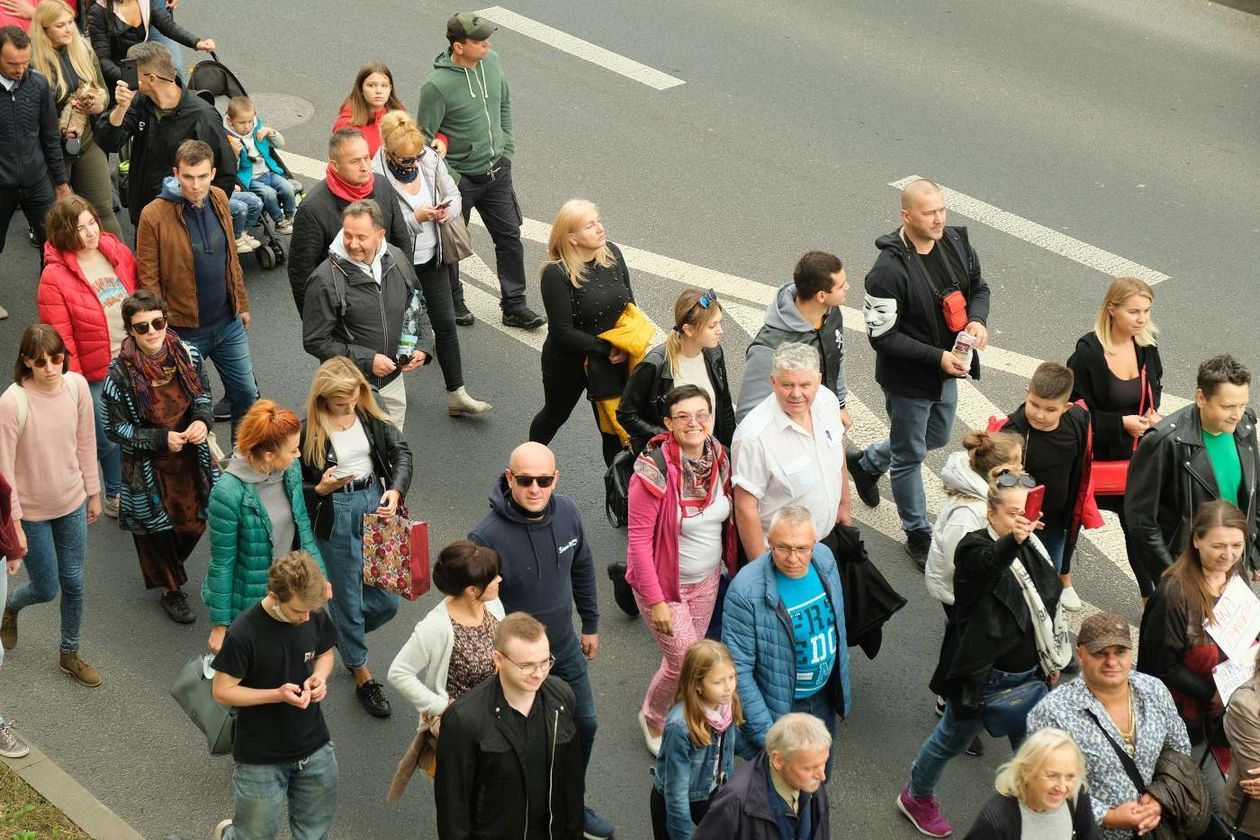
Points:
(240, 544)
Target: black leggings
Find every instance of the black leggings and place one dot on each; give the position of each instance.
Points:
(564, 382)
(659, 829)
(1115, 504)
(436, 289)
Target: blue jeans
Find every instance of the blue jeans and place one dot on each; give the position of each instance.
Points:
(916, 425)
(571, 667)
(260, 791)
(1055, 540)
(177, 56)
(108, 453)
(228, 348)
(54, 555)
(246, 211)
(356, 609)
(820, 706)
(277, 194)
(952, 735)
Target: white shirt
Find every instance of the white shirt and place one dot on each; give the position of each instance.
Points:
(700, 540)
(353, 450)
(694, 372)
(9, 84)
(780, 463)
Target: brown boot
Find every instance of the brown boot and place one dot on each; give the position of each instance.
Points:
(84, 673)
(8, 629)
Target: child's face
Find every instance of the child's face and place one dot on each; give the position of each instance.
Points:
(243, 122)
(718, 686)
(1043, 413)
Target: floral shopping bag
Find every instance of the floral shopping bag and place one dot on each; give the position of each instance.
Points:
(396, 554)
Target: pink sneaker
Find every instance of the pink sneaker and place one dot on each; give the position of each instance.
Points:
(924, 813)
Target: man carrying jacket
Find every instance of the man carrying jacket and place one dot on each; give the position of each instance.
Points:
(358, 302)
(1201, 453)
(186, 255)
(924, 288)
(466, 109)
(509, 761)
(547, 567)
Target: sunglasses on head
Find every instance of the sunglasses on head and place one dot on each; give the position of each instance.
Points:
(544, 481)
(706, 300)
(55, 360)
(1006, 478)
(141, 327)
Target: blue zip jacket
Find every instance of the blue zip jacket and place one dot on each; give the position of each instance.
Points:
(684, 771)
(245, 166)
(756, 628)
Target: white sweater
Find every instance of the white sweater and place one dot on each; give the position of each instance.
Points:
(960, 515)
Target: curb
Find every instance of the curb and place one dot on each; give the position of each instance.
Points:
(81, 807)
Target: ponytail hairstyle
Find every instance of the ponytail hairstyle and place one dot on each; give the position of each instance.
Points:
(400, 135)
(688, 313)
(697, 663)
(987, 452)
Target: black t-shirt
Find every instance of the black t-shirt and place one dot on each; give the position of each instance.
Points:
(1049, 457)
(531, 732)
(265, 653)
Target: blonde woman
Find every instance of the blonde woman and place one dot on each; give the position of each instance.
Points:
(585, 288)
(691, 355)
(354, 462)
(1118, 373)
(1040, 793)
(428, 197)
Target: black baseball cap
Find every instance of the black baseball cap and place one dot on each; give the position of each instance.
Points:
(468, 25)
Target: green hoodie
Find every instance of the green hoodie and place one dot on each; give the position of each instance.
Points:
(473, 108)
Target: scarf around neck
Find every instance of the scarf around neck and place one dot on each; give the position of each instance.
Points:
(699, 476)
(345, 190)
(171, 362)
(719, 719)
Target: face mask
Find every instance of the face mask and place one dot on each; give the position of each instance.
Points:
(404, 174)
(277, 613)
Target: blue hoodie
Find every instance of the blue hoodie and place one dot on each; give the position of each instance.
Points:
(210, 257)
(546, 563)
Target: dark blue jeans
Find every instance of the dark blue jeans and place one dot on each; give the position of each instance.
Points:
(35, 200)
(571, 667)
(820, 706)
(108, 453)
(228, 348)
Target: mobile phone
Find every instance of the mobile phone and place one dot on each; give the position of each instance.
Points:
(1032, 507)
(443, 205)
(339, 473)
(129, 73)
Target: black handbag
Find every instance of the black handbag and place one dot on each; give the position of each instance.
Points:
(869, 599)
(617, 488)
(1006, 712)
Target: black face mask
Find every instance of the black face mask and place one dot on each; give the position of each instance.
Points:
(404, 174)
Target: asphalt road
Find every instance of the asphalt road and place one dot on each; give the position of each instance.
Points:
(1131, 127)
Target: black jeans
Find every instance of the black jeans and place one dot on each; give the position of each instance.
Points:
(1115, 504)
(564, 381)
(660, 831)
(495, 200)
(432, 278)
(35, 200)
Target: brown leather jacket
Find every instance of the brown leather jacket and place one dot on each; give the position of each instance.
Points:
(164, 258)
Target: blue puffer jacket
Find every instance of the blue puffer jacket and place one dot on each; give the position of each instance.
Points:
(756, 628)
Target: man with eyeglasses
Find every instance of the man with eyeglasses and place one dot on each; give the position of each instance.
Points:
(547, 567)
(509, 759)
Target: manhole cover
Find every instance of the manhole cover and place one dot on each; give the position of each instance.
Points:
(282, 110)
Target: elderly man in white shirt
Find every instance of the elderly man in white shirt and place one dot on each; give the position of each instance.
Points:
(789, 450)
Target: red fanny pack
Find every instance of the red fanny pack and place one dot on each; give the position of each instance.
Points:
(954, 308)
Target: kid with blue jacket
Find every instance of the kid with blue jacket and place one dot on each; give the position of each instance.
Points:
(259, 169)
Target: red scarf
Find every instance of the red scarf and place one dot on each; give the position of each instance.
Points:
(347, 191)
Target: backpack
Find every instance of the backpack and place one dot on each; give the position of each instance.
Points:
(24, 406)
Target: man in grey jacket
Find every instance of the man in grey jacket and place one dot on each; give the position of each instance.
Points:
(362, 303)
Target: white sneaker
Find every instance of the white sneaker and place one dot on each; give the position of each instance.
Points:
(653, 742)
(1070, 600)
(285, 226)
(257, 243)
(244, 245)
(220, 828)
(11, 746)
(110, 505)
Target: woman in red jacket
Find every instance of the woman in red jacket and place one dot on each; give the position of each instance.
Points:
(88, 273)
(370, 99)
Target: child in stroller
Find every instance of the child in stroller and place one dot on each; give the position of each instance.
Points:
(258, 171)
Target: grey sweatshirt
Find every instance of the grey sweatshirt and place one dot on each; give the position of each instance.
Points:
(270, 490)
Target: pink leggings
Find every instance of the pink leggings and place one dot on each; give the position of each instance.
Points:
(691, 616)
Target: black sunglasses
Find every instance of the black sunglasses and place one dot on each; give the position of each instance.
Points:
(1006, 478)
(544, 481)
(142, 327)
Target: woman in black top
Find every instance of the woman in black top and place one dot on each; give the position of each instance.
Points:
(585, 288)
(117, 25)
(1118, 375)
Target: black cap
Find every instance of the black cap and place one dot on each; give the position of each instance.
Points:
(468, 25)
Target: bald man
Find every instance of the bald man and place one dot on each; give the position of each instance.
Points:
(547, 568)
(923, 290)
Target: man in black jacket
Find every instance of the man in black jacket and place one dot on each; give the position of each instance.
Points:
(509, 760)
(156, 122)
(318, 219)
(1201, 453)
(924, 270)
(32, 170)
(361, 301)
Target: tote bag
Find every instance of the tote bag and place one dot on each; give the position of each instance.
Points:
(192, 691)
(396, 554)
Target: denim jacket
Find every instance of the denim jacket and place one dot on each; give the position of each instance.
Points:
(684, 772)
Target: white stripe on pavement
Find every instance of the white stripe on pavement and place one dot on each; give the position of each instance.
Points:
(1059, 243)
(584, 50)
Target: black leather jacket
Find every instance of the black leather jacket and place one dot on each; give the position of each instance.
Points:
(1171, 475)
(641, 410)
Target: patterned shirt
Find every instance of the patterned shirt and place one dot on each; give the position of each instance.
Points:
(1158, 726)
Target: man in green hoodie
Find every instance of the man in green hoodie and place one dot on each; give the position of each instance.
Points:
(466, 110)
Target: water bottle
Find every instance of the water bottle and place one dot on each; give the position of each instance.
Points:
(410, 329)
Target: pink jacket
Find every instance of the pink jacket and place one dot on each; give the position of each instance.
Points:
(655, 520)
(68, 304)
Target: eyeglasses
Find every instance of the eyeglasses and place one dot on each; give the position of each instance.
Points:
(142, 327)
(55, 360)
(685, 419)
(159, 78)
(544, 481)
(792, 550)
(1006, 478)
(532, 667)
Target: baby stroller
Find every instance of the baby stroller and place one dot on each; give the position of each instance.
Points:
(216, 84)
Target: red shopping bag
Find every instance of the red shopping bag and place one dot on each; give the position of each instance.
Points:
(396, 554)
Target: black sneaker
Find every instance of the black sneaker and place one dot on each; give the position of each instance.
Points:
(223, 410)
(372, 696)
(622, 593)
(866, 483)
(176, 606)
(917, 544)
(976, 747)
(462, 316)
(524, 318)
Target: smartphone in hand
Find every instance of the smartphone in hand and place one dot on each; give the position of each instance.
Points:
(129, 73)
(1032, 507)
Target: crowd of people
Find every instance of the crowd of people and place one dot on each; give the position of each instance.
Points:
(742, 557)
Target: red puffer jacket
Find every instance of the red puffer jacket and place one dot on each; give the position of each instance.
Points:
(68, 303)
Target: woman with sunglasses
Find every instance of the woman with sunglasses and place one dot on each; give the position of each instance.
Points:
(1008, 641)
(354, 463)
(157, 398)
(48, 456)
(691, 355)
(428, 197)
(681, 533)
(585, 288)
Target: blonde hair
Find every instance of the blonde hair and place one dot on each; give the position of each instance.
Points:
(697, 662)
(1031, 759)
(987, 452)
(337, 377)
(688, 312)
(44, 54)
(1120, 290)
(399, 129)
(562, 252)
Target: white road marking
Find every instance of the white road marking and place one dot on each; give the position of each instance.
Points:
(584, 50)
(1096, 258)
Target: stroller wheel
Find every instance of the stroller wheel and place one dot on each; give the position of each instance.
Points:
(266, 259)
(278, 250)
